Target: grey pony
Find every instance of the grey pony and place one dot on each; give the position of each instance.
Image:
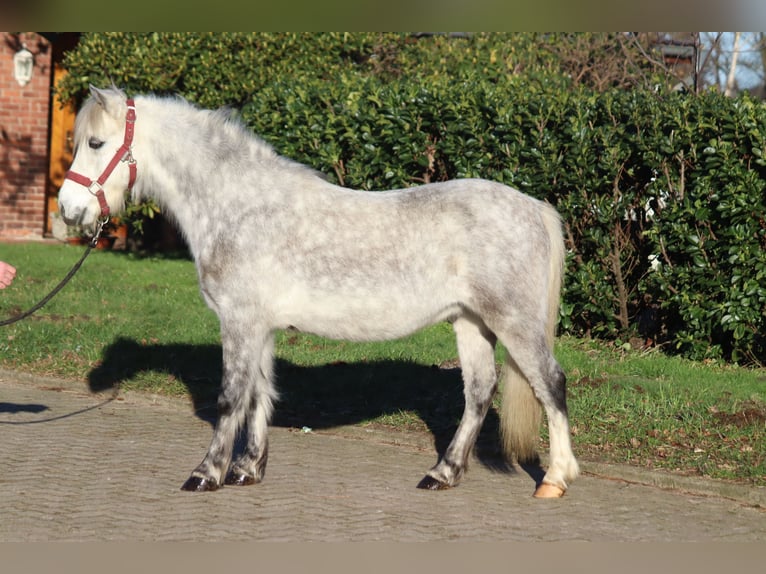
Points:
(276, 246)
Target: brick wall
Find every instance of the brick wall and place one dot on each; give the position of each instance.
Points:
(23, 139)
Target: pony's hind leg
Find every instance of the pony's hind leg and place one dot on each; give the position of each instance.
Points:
(239, 388)
(250, 467)
(476, 349)
(535, 361)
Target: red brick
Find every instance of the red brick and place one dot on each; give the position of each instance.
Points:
(23, 153)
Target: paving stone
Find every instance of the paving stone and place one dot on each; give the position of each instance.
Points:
(84, 467)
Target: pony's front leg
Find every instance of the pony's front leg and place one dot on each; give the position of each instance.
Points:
(476, 349)
(249, 468)
(241, 351)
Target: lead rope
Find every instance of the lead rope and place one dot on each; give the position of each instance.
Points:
(94, 240)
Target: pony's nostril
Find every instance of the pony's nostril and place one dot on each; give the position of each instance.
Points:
(70, 216)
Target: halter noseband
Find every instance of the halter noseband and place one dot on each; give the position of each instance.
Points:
(123, 153)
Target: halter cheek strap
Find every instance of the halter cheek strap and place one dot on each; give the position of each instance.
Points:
(123, 153)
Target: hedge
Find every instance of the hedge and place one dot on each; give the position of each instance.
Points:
(662, 193)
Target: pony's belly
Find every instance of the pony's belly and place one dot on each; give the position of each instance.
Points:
(370, 321)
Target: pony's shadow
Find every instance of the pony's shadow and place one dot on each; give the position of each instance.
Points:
(319, 397)
(14, 408)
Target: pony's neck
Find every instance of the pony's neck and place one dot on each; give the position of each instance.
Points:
(185, 158)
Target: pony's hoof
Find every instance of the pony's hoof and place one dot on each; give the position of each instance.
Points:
(430, 483)
(237, 478)
(199, 484)
(546, 490)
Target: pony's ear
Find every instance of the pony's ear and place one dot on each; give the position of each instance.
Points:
(112, 100)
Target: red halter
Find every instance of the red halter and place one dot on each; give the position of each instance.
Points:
(124, 153)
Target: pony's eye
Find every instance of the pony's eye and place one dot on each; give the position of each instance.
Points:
(95, 143)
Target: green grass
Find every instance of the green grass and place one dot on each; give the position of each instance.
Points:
(140, 323)
(652, 410)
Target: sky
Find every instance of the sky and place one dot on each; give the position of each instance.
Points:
(746, 78)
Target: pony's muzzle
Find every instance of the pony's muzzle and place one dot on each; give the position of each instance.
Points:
(71, 214)
(68, 217)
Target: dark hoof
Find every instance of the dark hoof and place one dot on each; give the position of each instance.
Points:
(430, 483)
(239, 479)
(199, 484)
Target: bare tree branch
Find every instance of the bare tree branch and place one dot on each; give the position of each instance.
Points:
(731, 78)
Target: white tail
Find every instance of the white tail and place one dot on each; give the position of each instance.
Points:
(521, 412)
